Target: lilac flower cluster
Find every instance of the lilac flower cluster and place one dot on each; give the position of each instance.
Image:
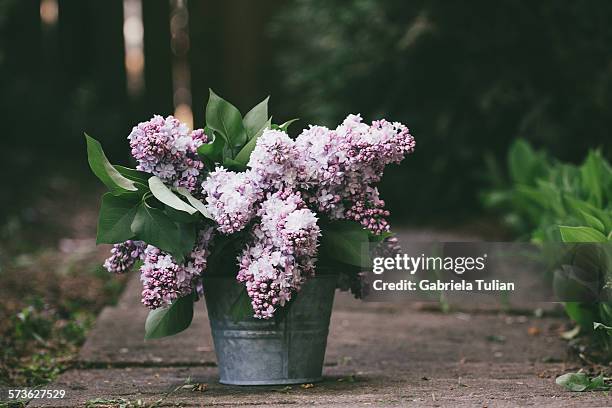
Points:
(164, 280)
(272, 162)
(340, 167)
(167, 149)
(124, 256)
(231, 199)
(282, 254)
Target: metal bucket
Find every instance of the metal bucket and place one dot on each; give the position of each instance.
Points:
(288, 350)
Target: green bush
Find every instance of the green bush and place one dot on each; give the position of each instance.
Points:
(546, 200)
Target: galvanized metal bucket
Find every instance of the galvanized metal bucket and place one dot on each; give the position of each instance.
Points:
(289, 350)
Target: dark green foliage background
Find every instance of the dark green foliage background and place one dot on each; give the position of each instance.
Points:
(467, 77)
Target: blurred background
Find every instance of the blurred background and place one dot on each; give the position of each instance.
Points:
(468, 78)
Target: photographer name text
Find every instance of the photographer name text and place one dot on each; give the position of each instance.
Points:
(425, 285)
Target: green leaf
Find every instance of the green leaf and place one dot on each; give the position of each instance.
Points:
(601, 326)
(592, 176)
(187, 237)
(213, 151)
(598, 383)
(244, 155)
(593, 222)
(256, 118)
(552, 198)
(605, 312)
(140, 179)
(105, 171)
(520, 157)
(180, 216)
(133, 174)
(225, 118)
(241, 308)
(222, 261)
(197, 204)
(154, 227)
(579, 382)
(569, 284)
(115, 218)
(170, 320)
(581, 234)
(233, 165)
(577, 206)
(581, 313)
(166, 196)
(379, 237)
(574, 381)
(531, 195)
(346, 241)
(285, 126)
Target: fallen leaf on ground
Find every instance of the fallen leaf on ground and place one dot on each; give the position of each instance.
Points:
(201, 387)
(580, 381)
(495, 338)
(533, 331)
(570, 334)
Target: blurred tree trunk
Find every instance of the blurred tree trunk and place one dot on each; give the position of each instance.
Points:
(229, 51)
(109, 51)
(158, 58)
(20, 68)
(92, 61)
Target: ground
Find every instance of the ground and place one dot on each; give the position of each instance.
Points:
(378, 354)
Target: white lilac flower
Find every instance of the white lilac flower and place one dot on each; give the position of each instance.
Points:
(230, 199)
(273, 160)
(164, 280)
(323, 163)
(167, 149)
(124, 256)
(283, 252)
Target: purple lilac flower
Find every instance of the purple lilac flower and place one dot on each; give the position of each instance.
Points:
(338, 167)
(272, 162)
(166, 148)
(124, 256)
(373, 147)
(164, 280)
(283, 252)
(231, 198)
(367, 208)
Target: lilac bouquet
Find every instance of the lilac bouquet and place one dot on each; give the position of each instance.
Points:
(242, 198)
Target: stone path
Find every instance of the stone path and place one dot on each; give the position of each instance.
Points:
(377, 355)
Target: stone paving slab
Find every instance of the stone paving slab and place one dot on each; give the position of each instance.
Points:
(378, 355)
(458, 385)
